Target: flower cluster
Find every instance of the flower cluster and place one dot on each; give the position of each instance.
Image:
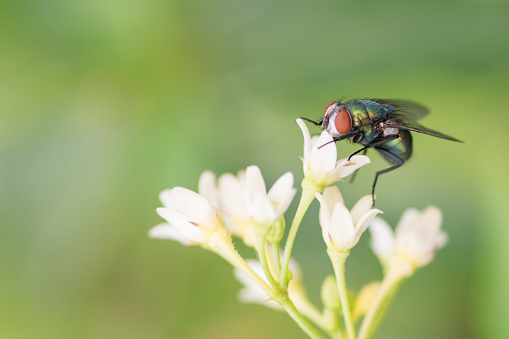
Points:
(241, 206)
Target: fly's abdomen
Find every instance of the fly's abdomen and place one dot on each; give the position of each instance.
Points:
(400, 147)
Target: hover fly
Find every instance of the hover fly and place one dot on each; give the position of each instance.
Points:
(384, 125)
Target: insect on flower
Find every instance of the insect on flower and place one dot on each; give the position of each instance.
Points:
(384, 125)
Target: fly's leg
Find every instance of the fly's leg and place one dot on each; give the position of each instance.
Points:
(365, 150)
(374, 144)
(317, 123)
(392, 158)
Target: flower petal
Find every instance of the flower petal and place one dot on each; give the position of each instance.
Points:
(323, 155)
(208, 189)
(332, 196)
(341, 228)
(254, 180)
(307, 138)
(383, 242)
(324, 216)
(231, 195)
(282, 192)
(190, 204)
(407, 221)
(262, 210)
(364, 222)
(189, 230)
(361, 207)
(166, 198)
(167, 231)
(345, 168)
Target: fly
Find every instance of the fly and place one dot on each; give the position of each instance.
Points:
(384, 125)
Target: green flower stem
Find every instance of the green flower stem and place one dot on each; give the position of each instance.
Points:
(275, 250)
(299, 319)
(398, 271)
(338, 259)
(308, 195)
(309, 310)
(262, 253)
(227, 251)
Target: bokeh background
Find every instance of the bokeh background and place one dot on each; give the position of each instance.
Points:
(105, 103)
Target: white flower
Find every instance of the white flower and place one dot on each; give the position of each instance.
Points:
(191, 219)
(229, 196)
(244, 201)
(342, 229)
(320, 159)
(416, 239)
(262, 207)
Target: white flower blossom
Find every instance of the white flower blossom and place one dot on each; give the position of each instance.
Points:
(191, 219)
(228, 196)
(320, 159)
(262, 207)
(417, 237)
(341, 228)
(244, 201)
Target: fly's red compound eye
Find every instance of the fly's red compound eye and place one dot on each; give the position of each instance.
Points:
(343, 122)
(329, 105)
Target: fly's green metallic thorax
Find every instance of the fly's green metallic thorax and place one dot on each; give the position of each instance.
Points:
(366, 115)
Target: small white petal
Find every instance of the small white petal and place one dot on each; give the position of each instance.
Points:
(341, 228)
(166, 198)
(332, 196)
(441, 240)
(307, 138)
(364, 222)
(344, 167)
(262, 210)
(254, 180)
(190, 204)
(181, 222)
(282, 192)
(207, 188)
(322, 158)
(407, 220)
(166, 231)
(430, 220)
(361, 207)
(324, 216)
(383, 242)
(231, 195)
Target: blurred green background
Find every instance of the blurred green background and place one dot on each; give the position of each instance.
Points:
(105, 103)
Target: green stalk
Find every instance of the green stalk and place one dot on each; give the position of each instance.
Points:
(338, 259)
(235, 259)
(227, 251)
(399, 269)
(262, 254)
(300, 320)
(275, 251)
(308, 195)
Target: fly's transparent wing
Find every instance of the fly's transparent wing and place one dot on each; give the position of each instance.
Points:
(416, 127)
(405, 109)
